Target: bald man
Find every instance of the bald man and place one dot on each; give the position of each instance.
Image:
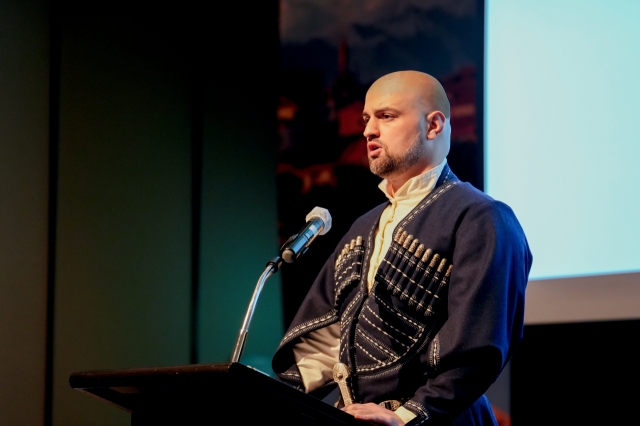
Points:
(422, 302)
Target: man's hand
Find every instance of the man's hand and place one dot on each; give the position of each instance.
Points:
(373, 413)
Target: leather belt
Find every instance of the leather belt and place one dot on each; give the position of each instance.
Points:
(391, 404)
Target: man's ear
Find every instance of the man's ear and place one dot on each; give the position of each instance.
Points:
(435, 126)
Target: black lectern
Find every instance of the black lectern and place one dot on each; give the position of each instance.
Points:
(206, 394)
(230, 393)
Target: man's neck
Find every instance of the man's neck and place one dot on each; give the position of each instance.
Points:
(395, 182)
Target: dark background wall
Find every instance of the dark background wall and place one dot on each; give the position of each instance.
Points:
(576, 373)
(122, 277)
(24, 98)
(137, 196)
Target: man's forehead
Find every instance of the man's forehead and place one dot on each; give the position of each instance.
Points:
(389, 98)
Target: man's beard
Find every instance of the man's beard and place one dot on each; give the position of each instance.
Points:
(389, 164)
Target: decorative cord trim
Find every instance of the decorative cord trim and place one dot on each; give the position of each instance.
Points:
(417, 409)
(367, 352)
(345, 314)
(399, 313)
(382, 331)
(434, 359)
(377, 344)
(434, 195)
(389, 325)
(327, 318)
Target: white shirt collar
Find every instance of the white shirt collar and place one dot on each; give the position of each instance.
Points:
(417, 186)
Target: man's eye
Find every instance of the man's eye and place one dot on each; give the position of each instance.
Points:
(386, 116)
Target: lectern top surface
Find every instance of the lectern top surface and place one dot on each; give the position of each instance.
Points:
(206, 387)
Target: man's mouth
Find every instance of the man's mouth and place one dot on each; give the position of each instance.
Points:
(374, 149)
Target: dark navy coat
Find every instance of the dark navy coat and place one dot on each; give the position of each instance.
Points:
(445, 313)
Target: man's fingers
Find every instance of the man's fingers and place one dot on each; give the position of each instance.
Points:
(370, 417)
(373, 413)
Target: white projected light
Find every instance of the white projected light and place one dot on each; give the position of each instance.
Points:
(563, 130)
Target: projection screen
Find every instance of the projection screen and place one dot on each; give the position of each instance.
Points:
(562, 89)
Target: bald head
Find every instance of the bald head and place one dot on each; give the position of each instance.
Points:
(428, 91)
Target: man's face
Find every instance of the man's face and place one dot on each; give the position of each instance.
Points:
(396, 132)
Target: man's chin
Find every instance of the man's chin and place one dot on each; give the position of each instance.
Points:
(379, 168)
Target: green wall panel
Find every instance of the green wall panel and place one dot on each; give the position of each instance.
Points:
(239, 212)
(122, 285)
(24, 75)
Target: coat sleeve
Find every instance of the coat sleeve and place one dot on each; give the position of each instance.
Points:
(316, 311)
(485, 312)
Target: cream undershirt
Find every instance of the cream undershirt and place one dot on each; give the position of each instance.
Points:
(317, 352)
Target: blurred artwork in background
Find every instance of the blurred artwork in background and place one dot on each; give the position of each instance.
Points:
(331, 52)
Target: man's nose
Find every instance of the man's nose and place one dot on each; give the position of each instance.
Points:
(371, 130)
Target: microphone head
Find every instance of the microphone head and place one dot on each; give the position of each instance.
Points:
(323, 215)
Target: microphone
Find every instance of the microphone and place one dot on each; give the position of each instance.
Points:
(318, 223)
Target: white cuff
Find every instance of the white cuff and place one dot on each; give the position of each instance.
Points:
(405, 414)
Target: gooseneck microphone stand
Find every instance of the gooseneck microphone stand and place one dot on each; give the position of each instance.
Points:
(272, 267)
(318, 222)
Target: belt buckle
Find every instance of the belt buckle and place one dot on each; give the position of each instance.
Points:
(391, 404)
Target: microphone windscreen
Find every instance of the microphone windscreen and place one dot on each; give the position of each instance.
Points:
(323, 215)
